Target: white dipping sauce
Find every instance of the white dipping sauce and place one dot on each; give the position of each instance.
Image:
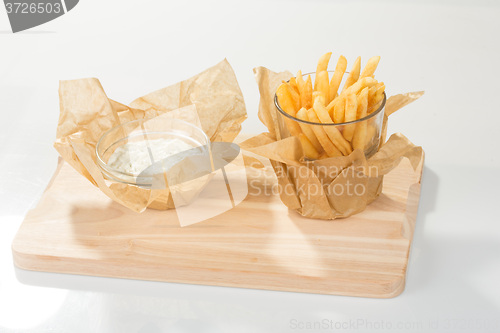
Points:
(134, 157)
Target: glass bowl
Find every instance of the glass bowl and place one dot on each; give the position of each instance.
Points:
(372, 122)
(126, 153)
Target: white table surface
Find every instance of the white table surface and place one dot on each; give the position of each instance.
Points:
(450, 49)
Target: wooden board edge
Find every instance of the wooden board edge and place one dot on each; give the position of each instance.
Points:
(408, 226)
(390, 289)
(412, 203)
(16, 254)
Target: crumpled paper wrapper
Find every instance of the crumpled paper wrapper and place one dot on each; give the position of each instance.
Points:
(311, 188)
(86, 113)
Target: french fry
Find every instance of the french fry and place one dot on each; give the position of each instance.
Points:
(321, 112)
(309, 150)
(333, 133)
(287, 104)
(337, 78)
(307, 129)
(316, 95)
(323, 86)
(332, 105)
(293, 84)
(292, 126)
(359, 138)
(322, 66)
(294, 95)
(362, 102)
(377, 98)
(371, 131)
(323, 155)
(353, 89)
(323, 62)
(351, 107)
(327, 145)
(362, 99)
(353, 74)
(359, 85)
(300, 86)
(306, 96)
(380, 91)
(285, 99)
(371, 95)
(339, 109)
(299, 77)
(370, 67)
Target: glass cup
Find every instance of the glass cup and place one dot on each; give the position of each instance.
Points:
(364, 133)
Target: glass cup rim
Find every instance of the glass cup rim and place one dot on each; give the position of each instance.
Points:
(111, 170)
(371, 115)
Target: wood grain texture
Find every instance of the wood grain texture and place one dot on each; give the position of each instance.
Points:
(259, 244)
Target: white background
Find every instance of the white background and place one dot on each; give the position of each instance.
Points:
(450, 49)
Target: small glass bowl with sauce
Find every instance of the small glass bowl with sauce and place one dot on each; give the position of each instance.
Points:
(144, 152)
(125, 152)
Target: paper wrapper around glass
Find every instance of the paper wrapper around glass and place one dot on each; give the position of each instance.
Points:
(211, 100)
(320, 189)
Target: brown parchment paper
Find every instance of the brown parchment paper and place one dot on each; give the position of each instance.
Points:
(212, 99)
(312, 188)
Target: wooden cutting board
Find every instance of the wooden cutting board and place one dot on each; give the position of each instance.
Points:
(259, 244)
